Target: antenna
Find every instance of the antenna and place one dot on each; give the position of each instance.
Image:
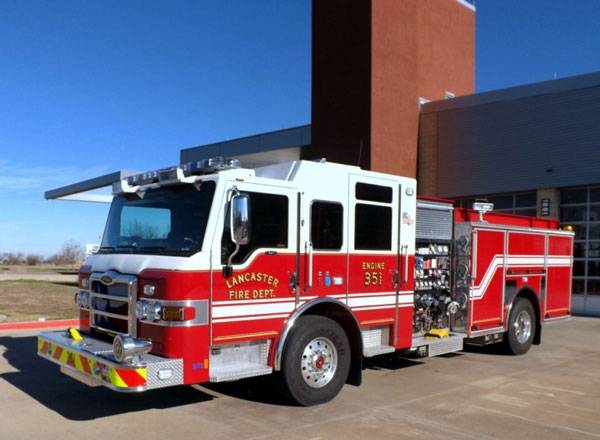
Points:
(360, 148)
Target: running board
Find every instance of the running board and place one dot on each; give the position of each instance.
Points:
(428, 347)
(239, 371)
(239, 361)
(378, 349)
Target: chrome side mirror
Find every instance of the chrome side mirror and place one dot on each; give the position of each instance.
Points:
(240, 219)
(239, 226)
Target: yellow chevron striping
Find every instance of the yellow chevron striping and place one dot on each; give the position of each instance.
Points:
(144, 373)
(115, 379)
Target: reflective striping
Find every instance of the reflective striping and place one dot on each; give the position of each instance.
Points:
(477, 292)
(103, 372)
(379, 301)
(253, 309)
(261, 301)
(250, 318)
(401, 306)
(85, 364)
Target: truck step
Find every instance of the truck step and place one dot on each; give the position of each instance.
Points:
(238, 371)
(428, 347)
(376, 340)
(377, 349)
(240, 360)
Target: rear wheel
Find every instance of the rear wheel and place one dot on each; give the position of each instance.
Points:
(521, 327)
(316, 360)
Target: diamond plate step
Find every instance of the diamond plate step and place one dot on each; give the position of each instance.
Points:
(438, 346)
(377, 349)
(239, 371)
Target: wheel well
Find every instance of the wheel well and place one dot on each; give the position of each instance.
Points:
(338, 312)
(533, 299)
(345, 319)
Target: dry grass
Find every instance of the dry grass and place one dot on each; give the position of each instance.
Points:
(45, 268)
(29, 300)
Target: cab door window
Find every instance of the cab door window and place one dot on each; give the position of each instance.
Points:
(373, 217)
(268, 227)
(326, 226)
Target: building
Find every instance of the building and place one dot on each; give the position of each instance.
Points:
(383, 73)
(373, 62)
(532, 150)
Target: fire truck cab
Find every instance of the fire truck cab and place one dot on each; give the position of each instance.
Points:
(213, 272)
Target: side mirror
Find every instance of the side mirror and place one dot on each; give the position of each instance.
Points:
(240, 219)
(239, 227)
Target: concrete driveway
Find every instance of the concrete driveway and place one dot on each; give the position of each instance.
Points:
(553, 392)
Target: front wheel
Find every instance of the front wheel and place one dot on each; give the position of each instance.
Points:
(316, 360)
(521, 327)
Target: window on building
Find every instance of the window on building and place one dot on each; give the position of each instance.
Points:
(326, 225)
(523, 203)
(580, 209)
(268, 228)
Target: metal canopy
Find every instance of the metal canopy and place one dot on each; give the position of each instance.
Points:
(74, 192)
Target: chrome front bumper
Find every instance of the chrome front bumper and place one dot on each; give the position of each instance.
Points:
(91, 361)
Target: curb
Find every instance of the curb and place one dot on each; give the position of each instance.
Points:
(28, 325)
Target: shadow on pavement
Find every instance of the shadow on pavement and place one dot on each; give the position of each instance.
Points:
(493, 349)
(392, 361)
(43, 381)
(262, 389)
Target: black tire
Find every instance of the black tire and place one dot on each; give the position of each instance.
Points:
(518, 339)
(328, 381)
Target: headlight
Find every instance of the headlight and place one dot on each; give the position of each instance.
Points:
(154, 313)
(85, 283)
(83, 299)
(149, 289)
(140, 313)
(151, 311)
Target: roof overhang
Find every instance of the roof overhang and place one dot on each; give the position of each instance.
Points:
(79, 192)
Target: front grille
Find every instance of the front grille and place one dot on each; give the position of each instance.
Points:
(113, 296)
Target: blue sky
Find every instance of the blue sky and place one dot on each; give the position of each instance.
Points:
(91, 87)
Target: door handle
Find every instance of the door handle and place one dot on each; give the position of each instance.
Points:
(309, 246)
(405, 256)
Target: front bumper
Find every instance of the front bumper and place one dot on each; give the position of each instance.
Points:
(91, 361)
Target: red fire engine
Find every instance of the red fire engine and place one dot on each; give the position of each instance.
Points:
(213, 272)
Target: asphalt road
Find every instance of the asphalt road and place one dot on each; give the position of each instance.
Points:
(553, 392)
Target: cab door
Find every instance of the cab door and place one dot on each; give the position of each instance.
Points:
(381, 255)
(255, 293)
(326, 249)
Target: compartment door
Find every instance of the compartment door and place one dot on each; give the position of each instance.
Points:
(487, 279)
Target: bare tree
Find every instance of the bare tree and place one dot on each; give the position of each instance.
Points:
(13, 258)
(33, 259)
(70, 253)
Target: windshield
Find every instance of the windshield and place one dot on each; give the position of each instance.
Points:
(165, 221)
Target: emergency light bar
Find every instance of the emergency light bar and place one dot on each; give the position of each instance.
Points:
(207, 166)
(178, 174)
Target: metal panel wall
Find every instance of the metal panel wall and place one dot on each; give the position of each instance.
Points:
(514, 144)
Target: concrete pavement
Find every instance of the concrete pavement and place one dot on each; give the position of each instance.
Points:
(553, 392)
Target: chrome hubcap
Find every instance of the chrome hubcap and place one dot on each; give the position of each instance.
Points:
(319, 362)
(522, 327)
